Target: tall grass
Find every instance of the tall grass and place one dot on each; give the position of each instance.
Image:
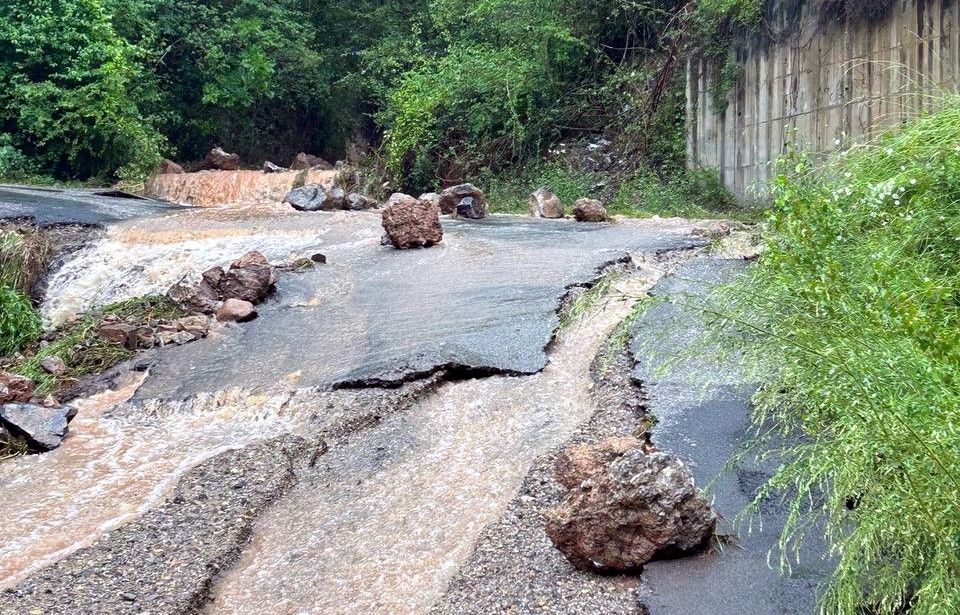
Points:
(852, 323)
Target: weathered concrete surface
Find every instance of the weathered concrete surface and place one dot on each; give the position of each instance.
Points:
(822, 84)
(704, 417)
(48, 206)
(483, 300)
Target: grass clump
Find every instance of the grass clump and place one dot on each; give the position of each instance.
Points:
(19, 322)
(852, 320)
(81, 348)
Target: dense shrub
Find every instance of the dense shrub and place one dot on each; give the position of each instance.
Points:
(854, 319)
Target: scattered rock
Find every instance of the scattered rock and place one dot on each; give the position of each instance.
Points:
(304, 160)
(315, 197)
(250, 278)
(451, 198)
(177, 338)
(119, 333)
(269, 167)
(42, 428)
(169, 167)
(410, 223)
(319, 258)
(545, 204)
(221, 160)
(15, 388)
(200, 299)
(236, 310)
(637, 508)
(145, 339)
(469, 207)
(590, 210)
(578, 463)
(196, 325)
(431, 197)
(397, 197)
(54, 365)
(357, 202)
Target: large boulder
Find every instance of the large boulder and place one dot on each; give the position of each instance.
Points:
(43, 428)
(410, 223)
(635, 508)
(545, 204)
(220, 160)
(590, 210)
(304, 160)
(356, 202)
(15, 388)
(169, 167)
(250, 278)
(469, 207)
(315, 197)
(451, 199)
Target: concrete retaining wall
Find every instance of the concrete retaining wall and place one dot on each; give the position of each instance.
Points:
(820, 85)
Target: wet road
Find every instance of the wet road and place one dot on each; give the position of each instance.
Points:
(48, 206)
(483, 300)
(703, 408)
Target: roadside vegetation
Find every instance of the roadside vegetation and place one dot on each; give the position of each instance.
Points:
(507, 93)
(852, 324)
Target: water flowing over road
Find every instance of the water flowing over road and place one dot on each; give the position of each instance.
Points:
(344, 452)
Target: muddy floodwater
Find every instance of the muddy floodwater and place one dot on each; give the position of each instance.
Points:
(384, 519)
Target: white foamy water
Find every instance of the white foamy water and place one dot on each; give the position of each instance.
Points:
(148, 256)
(389, 518)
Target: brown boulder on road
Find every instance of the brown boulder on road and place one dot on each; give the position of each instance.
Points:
(632, 509)
(452, 197)
(545, 204)
(304, 160)
(410, 223)
(590, 210)
(249, 278)
(236, 310)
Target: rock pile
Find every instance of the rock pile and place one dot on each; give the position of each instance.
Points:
(626, 507)
(315, 197)
(249, 279)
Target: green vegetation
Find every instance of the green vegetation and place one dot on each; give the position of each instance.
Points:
(430, 90)
(83, 351)
(852, 319)
(19, 322)
(22, 257)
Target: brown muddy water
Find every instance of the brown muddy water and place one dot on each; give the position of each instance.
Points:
(386, 519)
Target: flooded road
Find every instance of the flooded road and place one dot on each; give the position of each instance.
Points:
(386, 519)
(383, 520)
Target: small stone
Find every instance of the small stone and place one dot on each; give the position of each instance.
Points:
(432, 198)
(218, 159)
(119, 333)
(269, 167)
(319, 258)
(169, 167)
(15, 388)
(54, 365)
(236, 310)
(358, 202)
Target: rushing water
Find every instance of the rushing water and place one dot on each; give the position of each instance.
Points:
(113, 467)
(385, 520)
